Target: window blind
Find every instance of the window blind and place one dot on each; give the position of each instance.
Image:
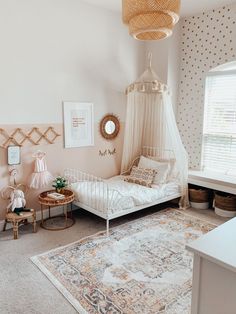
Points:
(219, 131)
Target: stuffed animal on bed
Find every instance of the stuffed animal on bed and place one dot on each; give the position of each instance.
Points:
(17, 202)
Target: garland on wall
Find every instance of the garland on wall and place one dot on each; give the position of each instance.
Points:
(107, 152)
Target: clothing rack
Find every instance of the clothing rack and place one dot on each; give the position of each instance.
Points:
(35, 136)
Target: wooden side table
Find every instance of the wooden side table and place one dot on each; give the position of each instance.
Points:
(48, 202)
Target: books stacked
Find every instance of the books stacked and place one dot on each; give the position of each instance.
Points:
(56, 196)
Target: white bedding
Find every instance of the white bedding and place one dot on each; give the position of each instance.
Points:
(120, 195)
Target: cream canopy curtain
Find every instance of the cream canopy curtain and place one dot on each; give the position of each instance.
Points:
(150, 121)
(144, 126)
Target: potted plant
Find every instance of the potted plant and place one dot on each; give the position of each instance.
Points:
(60, 183)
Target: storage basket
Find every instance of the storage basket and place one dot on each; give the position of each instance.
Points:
(198, 195)
(225, 201)
(199, 198)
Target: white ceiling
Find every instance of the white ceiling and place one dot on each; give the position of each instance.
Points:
(188, 7)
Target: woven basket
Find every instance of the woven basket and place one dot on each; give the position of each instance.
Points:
(225, 201)
(199, 195)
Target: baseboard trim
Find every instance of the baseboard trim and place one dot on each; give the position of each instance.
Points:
(55, 211)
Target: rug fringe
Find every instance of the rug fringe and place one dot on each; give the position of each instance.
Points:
(78, 307)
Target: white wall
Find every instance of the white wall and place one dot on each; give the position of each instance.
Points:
(62, 50)
(55, 50)
(174, 64)
(159, 50)
(166, 60)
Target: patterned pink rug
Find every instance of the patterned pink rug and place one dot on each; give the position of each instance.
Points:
(142, 267)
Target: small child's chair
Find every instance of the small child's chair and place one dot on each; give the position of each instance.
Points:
(17, 220)
(17, 202)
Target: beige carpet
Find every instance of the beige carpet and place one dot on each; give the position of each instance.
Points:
(23, 288)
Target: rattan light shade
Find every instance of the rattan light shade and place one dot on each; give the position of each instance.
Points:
(151, 19)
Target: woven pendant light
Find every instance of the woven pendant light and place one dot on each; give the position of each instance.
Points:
(151, 19)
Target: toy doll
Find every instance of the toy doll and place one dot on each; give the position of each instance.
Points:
(17, 202)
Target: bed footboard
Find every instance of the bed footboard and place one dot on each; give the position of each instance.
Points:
(94, 193)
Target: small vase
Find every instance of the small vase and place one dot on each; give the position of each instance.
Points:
(60, 190)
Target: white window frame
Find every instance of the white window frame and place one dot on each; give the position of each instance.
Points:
(213, 73)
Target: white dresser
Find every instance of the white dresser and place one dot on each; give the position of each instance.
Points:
(214, 271)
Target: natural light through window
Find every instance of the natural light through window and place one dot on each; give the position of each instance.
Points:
(219, 132)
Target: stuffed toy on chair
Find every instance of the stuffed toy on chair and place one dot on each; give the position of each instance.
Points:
(17, 202)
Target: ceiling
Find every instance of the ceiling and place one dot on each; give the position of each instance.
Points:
(188, 7)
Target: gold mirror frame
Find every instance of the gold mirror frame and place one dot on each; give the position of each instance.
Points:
(103, 123)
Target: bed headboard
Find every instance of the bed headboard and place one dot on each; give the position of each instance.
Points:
(158, 153)
(154, 152)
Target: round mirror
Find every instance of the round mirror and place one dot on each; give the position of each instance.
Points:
(109, 127)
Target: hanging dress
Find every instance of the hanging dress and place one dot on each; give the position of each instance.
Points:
(41, 177)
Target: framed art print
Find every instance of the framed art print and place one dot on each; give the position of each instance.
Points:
(13, 155)
(78, 124)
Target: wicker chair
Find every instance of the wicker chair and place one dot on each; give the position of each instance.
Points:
(17, 220)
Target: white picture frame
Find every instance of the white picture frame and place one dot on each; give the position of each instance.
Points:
(13, 155)
(78, 124)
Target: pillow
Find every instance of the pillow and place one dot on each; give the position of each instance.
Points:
(141, 176)
(172, 168)
(162, 169)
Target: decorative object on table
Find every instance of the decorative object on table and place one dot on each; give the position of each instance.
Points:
(110, 127)
(56, 196)
(60, 183)
(107, 152)
(35, 136)
(199, 197)
(41, 177)
(78, 124)
(57, 222)
(16, 213)
(150, 20)
(13, 155)
(225, 204)
(111, 269)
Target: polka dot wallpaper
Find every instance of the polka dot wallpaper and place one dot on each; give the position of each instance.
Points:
(208, 40)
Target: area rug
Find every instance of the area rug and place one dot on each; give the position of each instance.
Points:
(142, 267)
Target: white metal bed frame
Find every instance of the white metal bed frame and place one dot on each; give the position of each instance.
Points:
(107, 195)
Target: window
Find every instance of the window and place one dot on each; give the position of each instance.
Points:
(219, 132)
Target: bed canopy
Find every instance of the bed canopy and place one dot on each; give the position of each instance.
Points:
(150, 122)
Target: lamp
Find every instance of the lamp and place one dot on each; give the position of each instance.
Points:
(150, 19)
